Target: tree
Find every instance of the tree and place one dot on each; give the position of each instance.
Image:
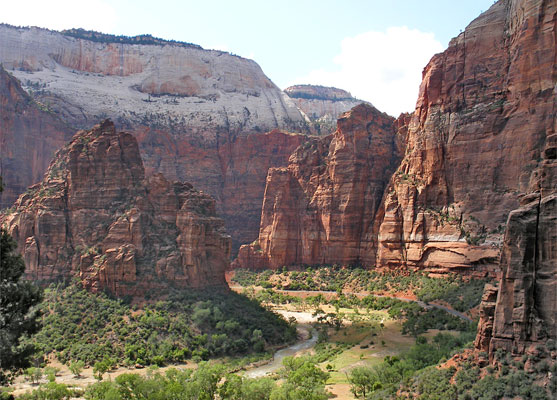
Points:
(34, 374)
(304, 381)
(101, 367)
(18, 316)
(76, 367)
(361, 381)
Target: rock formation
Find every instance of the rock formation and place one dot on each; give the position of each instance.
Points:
(29, 137)
(320, 208)
(322, 105)
(485, 107)
(96, 216)
(190, 109)
(524, 313)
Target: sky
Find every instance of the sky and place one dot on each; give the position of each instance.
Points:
(375, 49)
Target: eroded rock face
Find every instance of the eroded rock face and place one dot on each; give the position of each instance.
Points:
(322, 105)
(190, 109)
(320, 208)
(97, 217)
(525, 313)
(485, 107)
(29, 137)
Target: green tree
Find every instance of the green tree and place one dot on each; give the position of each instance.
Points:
(18, 316)
(100, 368)
(304, 381)
(76, 367)
(361, 381)
(34, 374)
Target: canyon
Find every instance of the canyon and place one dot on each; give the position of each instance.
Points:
(193, 111)
(465, 183)
(96, 217)
(483, 114)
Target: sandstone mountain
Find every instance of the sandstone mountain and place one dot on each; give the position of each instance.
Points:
(522, 312)
(192, 110)
(322, 105)
(96, 216)
(320, 208)
(29, 137)
(485, 108)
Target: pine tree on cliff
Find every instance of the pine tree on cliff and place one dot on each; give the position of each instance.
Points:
(18, 315)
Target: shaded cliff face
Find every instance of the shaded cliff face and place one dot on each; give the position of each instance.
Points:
(97, 217)
(320, 208)
(485, 107)
(29, 137)
(191, 109)
(523, 312)
(322, 105)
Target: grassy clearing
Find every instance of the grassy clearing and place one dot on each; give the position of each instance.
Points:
(370, 342)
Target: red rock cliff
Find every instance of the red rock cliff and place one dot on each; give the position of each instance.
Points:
(485, 107)
(524, 312)
(29, 137)
(320, 208)
(96, 216)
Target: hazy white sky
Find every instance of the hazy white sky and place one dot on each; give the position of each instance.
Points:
(375, 49)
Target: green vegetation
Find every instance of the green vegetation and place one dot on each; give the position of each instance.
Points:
(52, 391)
(18, 314)
(417, 319)
(108, 38)
(383, 380)
(103, 331)
(469, 383)
(462, 295)
(302, 380)
(415, 374)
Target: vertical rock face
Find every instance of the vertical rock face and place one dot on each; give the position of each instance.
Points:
(320, 208)
(322, 105)
(190, 109)
(96, 216)
(29, 137)
(245, 166)
(485, 107)
(525, 312)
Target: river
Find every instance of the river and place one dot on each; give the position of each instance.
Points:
(298, 348)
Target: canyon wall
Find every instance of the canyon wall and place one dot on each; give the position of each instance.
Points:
(29, 137)
(192, 110)
(321, 207)
(96, 216)
(485, 107)
(522, 312)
